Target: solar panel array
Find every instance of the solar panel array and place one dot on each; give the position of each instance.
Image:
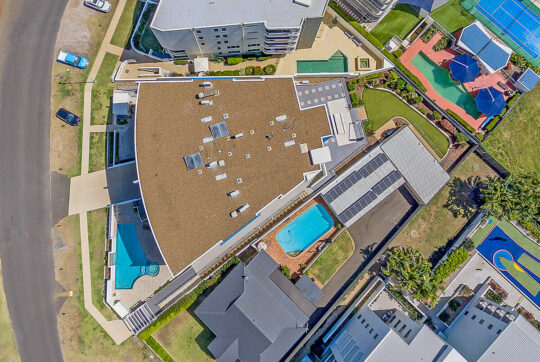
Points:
(354, 177)
(386, 182)
(193, 161)
(219, 130)
(357, 206)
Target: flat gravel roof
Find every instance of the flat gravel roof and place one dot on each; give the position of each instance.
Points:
(188, 211)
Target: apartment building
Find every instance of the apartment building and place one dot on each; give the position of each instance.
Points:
(189, 29)
(372, 10)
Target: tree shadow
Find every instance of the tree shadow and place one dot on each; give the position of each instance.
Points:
(405, 8)
(204, 338)
(464, 196)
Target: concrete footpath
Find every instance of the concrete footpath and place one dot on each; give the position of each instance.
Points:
(89, 191)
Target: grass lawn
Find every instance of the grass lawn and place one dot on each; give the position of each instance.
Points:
(98, 145)
(515, 141)
(103, 89)
(529, 263)
(435, 225)
(333, 257)
(185, 338)
(519, 238)
(97, 233)
(452, 16)
(400, 21)
(8, 346)
(127, 22)
(381, 106)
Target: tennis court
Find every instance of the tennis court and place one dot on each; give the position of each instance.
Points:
(516, 24)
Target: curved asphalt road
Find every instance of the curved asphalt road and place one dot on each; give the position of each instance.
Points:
(29, 33)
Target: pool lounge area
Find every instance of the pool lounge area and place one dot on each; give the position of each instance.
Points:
(337, 63)
(305, 230)
(440, 80)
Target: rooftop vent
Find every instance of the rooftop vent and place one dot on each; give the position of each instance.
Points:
(271, 123)
(229, 153)
(238, 180)
(293, 135)
(248, 155)
(269, 148)
(199, 172)
(252, 132)
(225, 115)
(238, 135)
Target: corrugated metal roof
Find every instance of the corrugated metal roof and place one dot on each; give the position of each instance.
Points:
(476, 40)
(309, 288)
(415, 163)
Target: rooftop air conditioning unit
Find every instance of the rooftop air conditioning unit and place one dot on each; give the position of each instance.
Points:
(243, 208)
(233, 194)
(221, 176)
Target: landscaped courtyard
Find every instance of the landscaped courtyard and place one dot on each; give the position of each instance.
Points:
(441, 220)
(382, 106)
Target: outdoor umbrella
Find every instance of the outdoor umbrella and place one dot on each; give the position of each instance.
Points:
(490, 101)
(464, 68)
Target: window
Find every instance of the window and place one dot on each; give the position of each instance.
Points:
(376, 335)
(219, 42)
(200, 37)
(220, 53)
(499, 331)
(367, 325)
(203, 43)
(473, 317)
(223, 29)
(198, 31)
(466, 312)
(217, 36)
(490, 326)
(481, 321)
(371, 331)
(219, 48)
(224, 35)
(363, 320)
(216, 29)
(226, 42)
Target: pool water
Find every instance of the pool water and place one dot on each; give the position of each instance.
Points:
(306, 229)
(131, 262)
(337, 63)
(443, 84)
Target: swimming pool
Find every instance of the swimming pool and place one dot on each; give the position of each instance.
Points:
(305, 229)
(443, 84)
(131, 262)
(517, 260)
(337, 63)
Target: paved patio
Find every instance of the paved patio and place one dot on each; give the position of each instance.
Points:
(442, 58)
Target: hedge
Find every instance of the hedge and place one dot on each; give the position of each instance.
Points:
(158, 349)
(512, 100)
(404, 69)
(186, 301)
(408, 306)
(355, 100)
(351, 86)
(234, 60)
(398, 53)
(231, 72)
(355, 25)
(266, 57)
(180, 62)
(450, 264)
(461, 121)
(492, 123)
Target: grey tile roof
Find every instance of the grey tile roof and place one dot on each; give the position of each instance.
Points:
(252, 317)
(417, 165)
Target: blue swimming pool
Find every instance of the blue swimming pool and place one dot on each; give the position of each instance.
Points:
(131, 262)
(305, 229)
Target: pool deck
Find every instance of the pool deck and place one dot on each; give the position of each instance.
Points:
(442, 59)
(280, 256)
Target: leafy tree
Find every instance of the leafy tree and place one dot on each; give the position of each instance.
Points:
(454, 305)
(516, 197)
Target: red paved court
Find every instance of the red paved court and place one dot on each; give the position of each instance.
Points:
(443, 58)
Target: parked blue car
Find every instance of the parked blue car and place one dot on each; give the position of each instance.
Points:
(72, 59)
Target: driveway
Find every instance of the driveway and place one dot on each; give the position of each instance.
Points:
(28, 31)
(369, 232)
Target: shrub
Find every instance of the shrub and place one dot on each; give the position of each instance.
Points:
(404, 69)
(454, 305)
(252, 58)
(450, 264)
(437, 115)
(250, 70)
(401, 84)
(423, 111)
(234, 60)
(265, 57)
(406, 304)
(460, 120)
(503, 111)
(180, 62)
(531, 229)
(468, 244)
(409, 88)
(519, 60)
(351, 86)
(430, 32)
(258, 71)
(355, 100)
(461, 137)
(393, 75)
(442, 44)
(512, 100)
(479, 137)
(447, 126)
(308, 272)
(231, 72)
(158, 349)
(403, 93)
(494, 297)
(444, 317)
(286, 271)
(270, 69)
